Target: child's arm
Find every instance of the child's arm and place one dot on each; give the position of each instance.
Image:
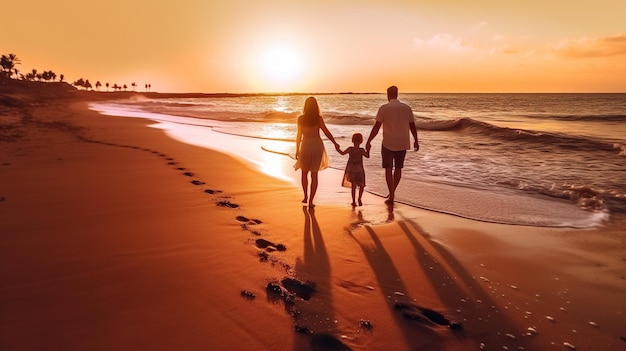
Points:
(344, 151)
(366, 152)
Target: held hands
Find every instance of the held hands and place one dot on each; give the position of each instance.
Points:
(416, 146)
(368, 147)
(337, 148)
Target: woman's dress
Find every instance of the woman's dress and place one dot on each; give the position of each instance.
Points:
(313, 155)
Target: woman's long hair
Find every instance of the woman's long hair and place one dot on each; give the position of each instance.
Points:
(311, 112)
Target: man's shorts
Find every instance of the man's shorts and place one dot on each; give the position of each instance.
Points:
(392, 158)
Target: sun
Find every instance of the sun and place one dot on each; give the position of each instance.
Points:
(280, 67)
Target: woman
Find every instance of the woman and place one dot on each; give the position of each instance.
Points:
(310, 151)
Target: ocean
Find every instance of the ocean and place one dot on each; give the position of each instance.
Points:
(524, 159)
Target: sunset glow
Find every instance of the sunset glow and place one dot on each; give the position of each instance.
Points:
(280, 67)
(326, 46)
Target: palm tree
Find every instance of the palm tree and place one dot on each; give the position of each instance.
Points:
(134, 86)
(8, 63)
(107, 85)
(98, 85)
(61, 77)
(125, 87)
(79, 83)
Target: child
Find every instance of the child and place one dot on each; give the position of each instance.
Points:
(354, 175)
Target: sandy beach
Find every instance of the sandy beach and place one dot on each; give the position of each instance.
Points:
(114, 236)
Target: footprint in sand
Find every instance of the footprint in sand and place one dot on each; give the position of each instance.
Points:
(248, 294)
(274, 289)
(211, 191)
(226, 203)
(424, 315)
(303, 290)
(269, 246)
(243, 219)
(188, 174)
(197, 182)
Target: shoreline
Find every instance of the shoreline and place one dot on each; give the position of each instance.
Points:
(127, 251)
(499, 207)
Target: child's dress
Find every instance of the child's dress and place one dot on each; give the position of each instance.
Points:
(354, 173)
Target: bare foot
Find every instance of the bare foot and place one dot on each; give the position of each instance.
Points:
(360, 203)
(353, 204)
(305, 200)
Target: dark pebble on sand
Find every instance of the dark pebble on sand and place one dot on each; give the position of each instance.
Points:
(302, 330)
(364, 323)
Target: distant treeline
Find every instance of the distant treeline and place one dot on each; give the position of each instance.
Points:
(10, 71)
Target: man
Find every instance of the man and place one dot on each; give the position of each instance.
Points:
(397, 120)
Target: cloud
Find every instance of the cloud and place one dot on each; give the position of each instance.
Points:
(443, 41)
(592, 47)
(506, 50)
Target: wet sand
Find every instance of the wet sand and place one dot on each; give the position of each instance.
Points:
(116, 236)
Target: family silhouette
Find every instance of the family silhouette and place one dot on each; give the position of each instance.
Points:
(397, 122)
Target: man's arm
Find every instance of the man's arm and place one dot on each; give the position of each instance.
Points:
(416, 145)
(373, 133)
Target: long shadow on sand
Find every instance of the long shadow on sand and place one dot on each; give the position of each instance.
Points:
(316, 315)
(460, 291)
(390, 282)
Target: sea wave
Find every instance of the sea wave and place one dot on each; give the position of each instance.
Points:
(585, 196)
(581, 118)
(566, 141)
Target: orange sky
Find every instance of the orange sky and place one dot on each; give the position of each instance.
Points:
(325, 45)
